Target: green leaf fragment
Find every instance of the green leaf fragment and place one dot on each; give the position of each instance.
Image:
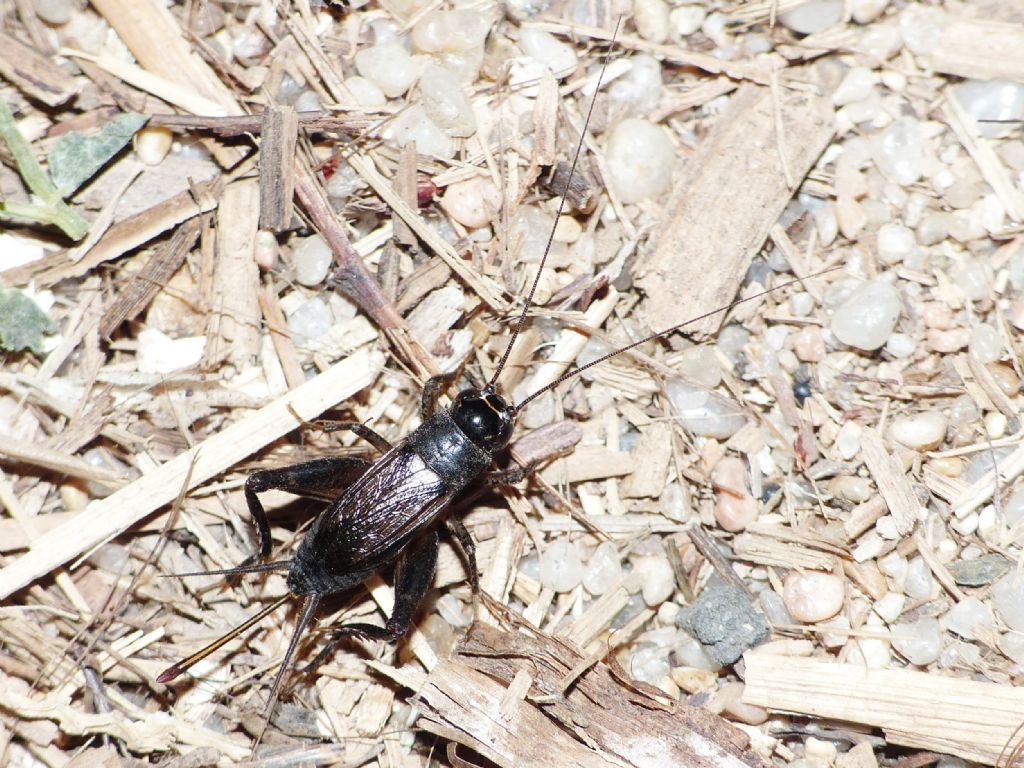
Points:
(76, 157)
(22, 322)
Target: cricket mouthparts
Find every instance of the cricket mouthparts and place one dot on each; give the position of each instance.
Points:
(169, 674)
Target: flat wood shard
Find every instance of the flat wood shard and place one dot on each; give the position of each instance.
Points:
(729, 196)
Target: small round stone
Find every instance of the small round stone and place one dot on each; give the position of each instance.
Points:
(808, 344)
(603, 569)
(364, 92)
(895, 241)
(851, 488)
(560, 567)
(735, 508)
(920, 431)
(702, 412)
(985, 343)
(446, 103)
(473, 202)
(686, 19)
(813, 16)
(1008, 599)
(856, 84)
(963, 617)
(813, 595)
(312, 256)
(152, 144)
(657, 577)
(310, 320)
(639, 156)
(547, 50)
(651, 19)
(899, 151)
(867, 318)
(54, 12)
(389, 67)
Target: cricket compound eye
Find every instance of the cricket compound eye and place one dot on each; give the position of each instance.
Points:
(484, 417)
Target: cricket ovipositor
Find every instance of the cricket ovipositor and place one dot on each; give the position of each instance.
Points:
(386, 512)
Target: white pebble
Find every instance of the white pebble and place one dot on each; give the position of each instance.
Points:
(851, 488)
(899, 151)
(923, 431)
(312, 256)
(657, 577)
(310, 320)
(446, 103)
(877, 653)
(389, 67)
(868, 316)
(455, 31)
(548, 51)
(866, 11)
(965, 615)
(1008, 599)
(856, 84)
(308, 101)
(473, 202)
(813, 595)
(649, 664)
(985, 343)
(651, 19)
(639, 90)
(265, 250)
(972, 277)
(848, 440)
(560, 567)
(703, 412)
(152, 144)
(895, 241)
(992, 103)
(365, 92)
(413, 125)
(922, 28)
(159, 353)
(890, 606)
(881, 42)
(819, 751)
(686, 19)
(813, 16)
(933, 227)
(640, 158)
(900, 345)
(54, 12)
(603, 569)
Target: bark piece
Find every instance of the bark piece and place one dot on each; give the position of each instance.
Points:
(727, 199)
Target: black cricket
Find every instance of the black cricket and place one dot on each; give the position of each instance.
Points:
(388, 511)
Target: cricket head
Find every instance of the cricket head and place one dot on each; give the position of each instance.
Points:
(484, 417)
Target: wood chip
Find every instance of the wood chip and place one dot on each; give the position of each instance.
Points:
(278, 138)
(955, 716)
(34, 74)
(891, 480)
(700, 258)
(977, 48)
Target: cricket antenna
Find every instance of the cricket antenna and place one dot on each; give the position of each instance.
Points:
(577, 371)
(182, 666)
(280, 565)
(561, 207)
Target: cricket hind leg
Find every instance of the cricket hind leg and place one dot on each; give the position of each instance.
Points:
(468, 547)
(324, 478)
(432, 392)
(414, 573)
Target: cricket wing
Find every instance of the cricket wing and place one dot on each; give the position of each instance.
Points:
(379, 514)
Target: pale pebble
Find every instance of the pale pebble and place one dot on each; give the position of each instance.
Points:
(992, 103)
(686, 19)
(638, 91)
(851, 488)
(856, 84)
(152, 144)
(735, 508)
(159, 353)
(453, 31)
(639, 155)
(308, 101)
(560, 567)
(933, 227)
(603, 569)
(866, 11)
(868, 316)
(877, 653)
(265, 250)
(473, 202)
(949, 341)
(54, 12)
(838, 638)
(1008, 599)
(848, 440)
(820, 751)
(808, 344)
(890, 606)
(703, 412)
(850, 217)
(312, 256)
(657, 577)
(651, 19)
(995, 425)
(813, 595)
(962, 618)
(972, 277)
(920, 642)
(947, 466)
(729, 700)
(813, 16)
(899, 151)
(446, 103)
(413, 125)
(922, 28)
(547, 50)
(310, 320)
(895, 241)
(900, 345)
(364, 92)
(881, 42)
(389, 67)
(923, 431)
(649, 664)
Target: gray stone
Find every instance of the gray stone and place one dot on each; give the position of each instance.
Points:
(725, 622)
